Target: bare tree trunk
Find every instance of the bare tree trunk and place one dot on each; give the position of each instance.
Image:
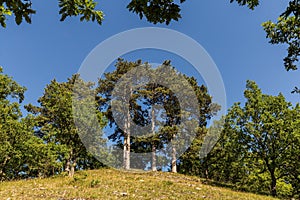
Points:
(154, 168)
(153, 143)
(126, 148)
(124, 152)
(72, 171)
(206, 174)
(174, 167)
(68, 166)
(127, 165)
(127, 139)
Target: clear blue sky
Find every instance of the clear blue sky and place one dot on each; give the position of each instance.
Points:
(35, 54)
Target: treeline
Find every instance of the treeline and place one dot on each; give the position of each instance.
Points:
(258, 147)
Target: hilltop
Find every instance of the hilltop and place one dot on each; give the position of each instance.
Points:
(114, 184)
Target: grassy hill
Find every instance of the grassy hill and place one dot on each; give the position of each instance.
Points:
(114, 184)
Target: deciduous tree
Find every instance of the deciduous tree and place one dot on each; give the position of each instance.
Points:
(56, 125)
(258, 141)
(22, 154)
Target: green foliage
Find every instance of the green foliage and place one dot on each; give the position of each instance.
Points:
(160, 107)
(284, 189)
(41, 158)
(22, 154)
(83, 8)
(190, 162)
(167, 183)
(259, 146)
(21, 9)
(3, 13)
(296, 90)
(287, 31)
(250, 3)
(10, 88)
(12, 133)
(258, 149)
(94, 183)
(55, 123)
(156, 11)
(104, 96)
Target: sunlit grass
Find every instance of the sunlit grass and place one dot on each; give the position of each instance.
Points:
(114, 184)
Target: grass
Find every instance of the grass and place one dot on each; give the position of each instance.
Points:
(114, 184)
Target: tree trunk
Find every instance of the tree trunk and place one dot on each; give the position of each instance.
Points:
(271, 169)
(273, 183)
(127, 140)
(206, 173)
(127, 164)
(153, 143)
(68, 166)
(124, 152)
(174, 167)
(72, 171)
(154, 158)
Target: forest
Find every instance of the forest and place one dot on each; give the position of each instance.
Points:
(257, 150)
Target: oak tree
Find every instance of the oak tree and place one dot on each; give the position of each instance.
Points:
(260, 141)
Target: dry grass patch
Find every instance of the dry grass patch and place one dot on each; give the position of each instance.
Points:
(113, 184)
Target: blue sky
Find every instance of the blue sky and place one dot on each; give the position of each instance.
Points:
(35, 54)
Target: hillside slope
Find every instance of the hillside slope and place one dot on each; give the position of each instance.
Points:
(113, 184)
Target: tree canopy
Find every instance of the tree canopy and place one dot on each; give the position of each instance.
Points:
(259, 144)
(151, 102)
(22, 154)
(258, 149)
(55, 124)
(22, 10)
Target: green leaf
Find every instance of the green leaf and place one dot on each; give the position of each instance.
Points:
(18, 19)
